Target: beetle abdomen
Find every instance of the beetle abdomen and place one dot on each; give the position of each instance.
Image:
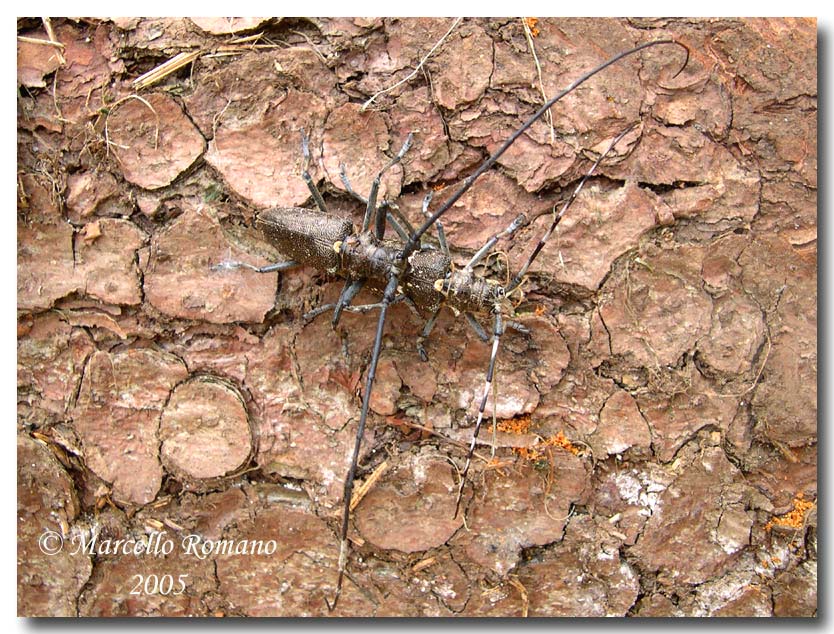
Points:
(305, 235)
(469, 293)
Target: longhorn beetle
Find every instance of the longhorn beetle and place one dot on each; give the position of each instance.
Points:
(412, 273)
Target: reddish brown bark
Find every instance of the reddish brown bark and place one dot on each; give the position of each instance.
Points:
(672, 316)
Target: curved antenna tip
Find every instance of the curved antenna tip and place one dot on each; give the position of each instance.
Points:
(685, 60)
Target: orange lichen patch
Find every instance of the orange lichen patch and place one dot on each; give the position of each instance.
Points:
(531, 24)
(794, 518)
(522, 425)
(533, 454)
(560, 440)
(519, 425)
(540, 451)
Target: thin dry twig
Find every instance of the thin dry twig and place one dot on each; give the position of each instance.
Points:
(549, 115)
(37, 40)
(215, 120)
(229, 50)
(245, 39)
(362, 489)
(423, 564)
(47, 24)
(313, 46)
(112, 109)
(416, 68)
(525, 600)
(163, 70)
(755, 381)
(55, 97)
(444, 438)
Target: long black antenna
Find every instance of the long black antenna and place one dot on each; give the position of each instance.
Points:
(395, 273)
(414, 242)
(516, 281)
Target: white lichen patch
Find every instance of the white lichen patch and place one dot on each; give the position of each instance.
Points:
(639, 489)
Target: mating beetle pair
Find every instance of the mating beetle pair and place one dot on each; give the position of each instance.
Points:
(411, 271)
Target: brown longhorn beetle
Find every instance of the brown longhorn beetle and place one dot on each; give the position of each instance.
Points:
(411, 272)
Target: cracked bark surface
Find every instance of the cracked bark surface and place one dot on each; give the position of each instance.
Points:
(672, 316)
